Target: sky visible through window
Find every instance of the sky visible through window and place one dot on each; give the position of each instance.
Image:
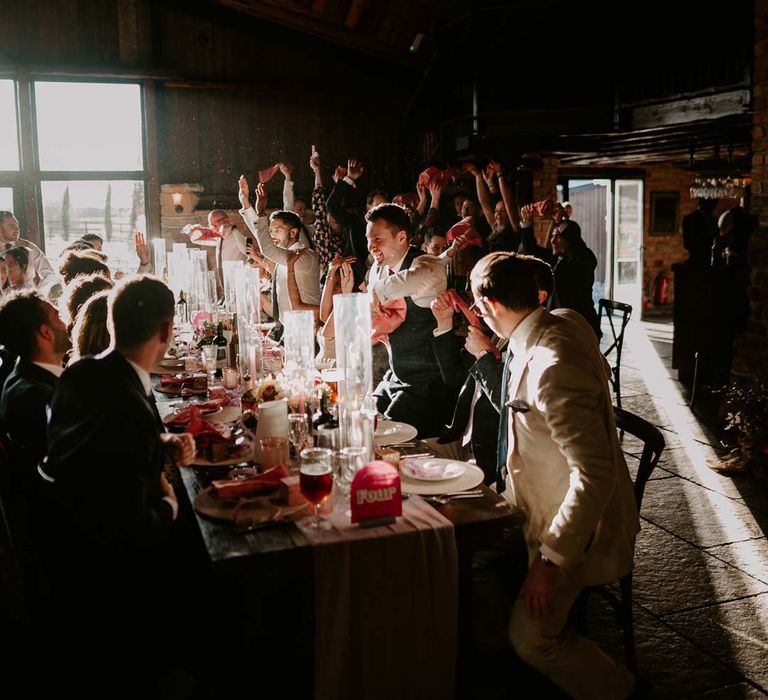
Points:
(9, 140)
(89, 126)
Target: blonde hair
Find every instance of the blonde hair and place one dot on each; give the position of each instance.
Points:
(90, 334)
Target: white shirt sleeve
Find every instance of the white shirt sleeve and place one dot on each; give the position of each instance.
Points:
(259, 226)
(422, 281)
(288, 196)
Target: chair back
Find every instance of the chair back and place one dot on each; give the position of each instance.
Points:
(615, 308)
(653, 445)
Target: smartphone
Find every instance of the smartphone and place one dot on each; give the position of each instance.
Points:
(249, 241)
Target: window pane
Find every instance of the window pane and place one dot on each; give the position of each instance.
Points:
(89, 126)
(9, 134)
(112, 210)
(6, 198)
(627, 273)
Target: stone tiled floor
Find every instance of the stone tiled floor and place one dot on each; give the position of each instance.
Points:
(701, 578)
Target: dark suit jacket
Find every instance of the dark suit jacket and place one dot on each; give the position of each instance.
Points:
(343, 207)
(105, 454)
(484, 373)
(699, 232)
(24, 416)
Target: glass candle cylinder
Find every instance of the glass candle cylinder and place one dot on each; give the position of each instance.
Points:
(159, 257)
(299, 361)
(248, 303)
(352, 321)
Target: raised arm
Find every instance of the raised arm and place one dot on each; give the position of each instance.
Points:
(483, 195)
(508, 196)
(257, 222)
(288, 196)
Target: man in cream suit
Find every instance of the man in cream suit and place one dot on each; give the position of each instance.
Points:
(565, 471)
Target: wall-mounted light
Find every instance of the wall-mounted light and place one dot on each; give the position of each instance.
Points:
(177, 197)
(416, 43)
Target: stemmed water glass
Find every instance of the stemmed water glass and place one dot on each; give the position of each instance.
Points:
(316, 480)
(298, 431)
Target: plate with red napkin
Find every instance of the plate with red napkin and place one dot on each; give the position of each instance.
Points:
(180, 419)
(216, 437)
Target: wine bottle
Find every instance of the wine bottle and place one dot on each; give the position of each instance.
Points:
(182, 309)
(323, 417)
(222, 359)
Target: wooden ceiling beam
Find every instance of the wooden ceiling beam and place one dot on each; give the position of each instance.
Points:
(354, 13)
(307, 21)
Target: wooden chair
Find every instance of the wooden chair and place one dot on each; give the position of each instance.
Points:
(617, 333)
(621, 601)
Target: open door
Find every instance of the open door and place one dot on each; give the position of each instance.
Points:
(628, 243)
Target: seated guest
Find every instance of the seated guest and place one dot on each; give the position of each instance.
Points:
(106, 454)
(276, 237)
(326, 231)
(412, 390)
(39, 272)
(435, 243)
(565, 470)
(96, 241)
(3, 274)
(82, 263)
(30, 328)
(90, 334)
(17, 264)
(77, 292)
(339, 280)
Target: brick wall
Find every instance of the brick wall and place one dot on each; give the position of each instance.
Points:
(752, 347)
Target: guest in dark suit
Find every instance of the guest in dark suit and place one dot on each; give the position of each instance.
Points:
(31, 329)
(700, 232)
(413, 390)
(106, 455)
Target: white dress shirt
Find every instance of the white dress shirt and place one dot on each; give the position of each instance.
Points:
(40, 273)
(307, 268)
(422, 281)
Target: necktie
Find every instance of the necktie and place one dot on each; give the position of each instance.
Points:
(501, 448)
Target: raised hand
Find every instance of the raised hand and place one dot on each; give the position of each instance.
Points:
(442, 307)
(245, 202)
(354, 169)
(347, 278)
(261, 199)
(314, 160)
(435, 191)
(471, 168)
(526, 213)
(286, 170)
(340, 173)
(495, 167)
(458, 244)
(142, 248)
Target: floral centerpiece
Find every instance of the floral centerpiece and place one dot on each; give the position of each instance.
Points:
(745, 405)
(266, 390)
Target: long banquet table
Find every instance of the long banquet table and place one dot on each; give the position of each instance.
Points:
(270, 569)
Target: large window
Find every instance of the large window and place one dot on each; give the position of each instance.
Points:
(9, 144)
(90, 173)
(91, 164)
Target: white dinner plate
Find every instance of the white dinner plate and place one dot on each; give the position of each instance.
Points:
(390, 432)
(432, 468)
(472, 476)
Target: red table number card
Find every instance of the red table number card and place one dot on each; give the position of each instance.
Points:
(375, 496)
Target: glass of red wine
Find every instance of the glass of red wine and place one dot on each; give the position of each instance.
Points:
(316, 479)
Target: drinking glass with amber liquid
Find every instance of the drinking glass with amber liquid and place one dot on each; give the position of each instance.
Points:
(316, 479)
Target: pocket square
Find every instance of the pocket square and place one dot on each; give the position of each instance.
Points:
(518, 406)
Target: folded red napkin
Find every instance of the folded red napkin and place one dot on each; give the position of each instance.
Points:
(433, 175)
(201, 234)
(465, 227)
(183, 417)
(544, 209)
(205, 432)
(391, 315)
(255, 486)
(174, 380)
(268, 173)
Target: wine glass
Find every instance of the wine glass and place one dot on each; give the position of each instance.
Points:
(350, 461)
(298, 432)
(316, 480)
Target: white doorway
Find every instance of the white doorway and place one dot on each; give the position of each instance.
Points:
(610, 214)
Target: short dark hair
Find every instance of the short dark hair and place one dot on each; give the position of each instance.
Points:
(430, 233)
(4, 214)
(542, 273)
(508, 279)
(78, 291)
(79, 244)
(91, 237)
(138, 308)
(289, 218)
(20, 255)
(82, 263)
(21, 314)
(376, 193)
(394, 215)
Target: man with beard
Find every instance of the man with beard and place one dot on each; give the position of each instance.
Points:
(30, 327)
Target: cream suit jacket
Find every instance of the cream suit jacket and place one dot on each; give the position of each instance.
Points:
(566, 470)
